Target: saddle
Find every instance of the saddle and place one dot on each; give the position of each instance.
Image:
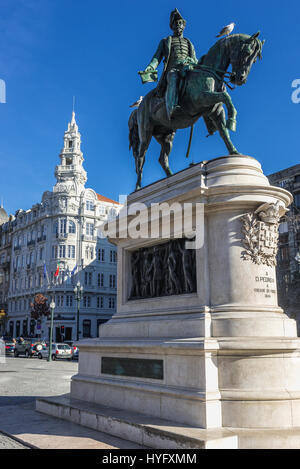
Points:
(207, 83)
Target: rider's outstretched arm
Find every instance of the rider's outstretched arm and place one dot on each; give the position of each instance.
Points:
(157, 58)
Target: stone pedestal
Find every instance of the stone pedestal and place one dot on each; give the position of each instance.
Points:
(224, 356)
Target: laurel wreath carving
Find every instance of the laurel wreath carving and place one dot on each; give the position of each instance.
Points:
(251, 242)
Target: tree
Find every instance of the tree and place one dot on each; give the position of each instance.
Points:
(39, 307)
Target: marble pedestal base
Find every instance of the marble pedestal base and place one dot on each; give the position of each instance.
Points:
(207, 383)
(225, 356)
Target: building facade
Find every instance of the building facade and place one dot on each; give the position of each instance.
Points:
(6, 225)
(288, 268)
(58, 243)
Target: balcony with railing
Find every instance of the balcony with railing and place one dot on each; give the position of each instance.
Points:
(31, 243)
(59, 169)
(86, 237)
(61, 235)
(89, 288)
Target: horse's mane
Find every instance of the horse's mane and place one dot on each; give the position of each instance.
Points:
(227, 41)
(244, 38)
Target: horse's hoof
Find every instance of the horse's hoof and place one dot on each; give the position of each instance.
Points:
(231, 124)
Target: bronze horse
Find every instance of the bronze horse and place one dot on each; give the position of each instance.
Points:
(202, 94)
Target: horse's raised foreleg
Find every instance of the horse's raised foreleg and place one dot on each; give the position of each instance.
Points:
(166, 142)
(218, 119)
(232, 112)
(211, 98)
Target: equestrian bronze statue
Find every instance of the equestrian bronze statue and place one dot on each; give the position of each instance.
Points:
(190, 89)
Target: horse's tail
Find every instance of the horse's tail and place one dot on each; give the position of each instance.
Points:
(134, 140)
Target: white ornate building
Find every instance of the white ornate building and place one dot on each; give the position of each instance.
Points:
(64, 230)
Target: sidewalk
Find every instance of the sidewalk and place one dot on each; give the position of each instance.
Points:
(9, 443)
(43, 432)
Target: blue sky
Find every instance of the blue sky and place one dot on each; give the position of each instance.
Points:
(53, 49)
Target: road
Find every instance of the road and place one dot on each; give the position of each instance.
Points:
(22, 380)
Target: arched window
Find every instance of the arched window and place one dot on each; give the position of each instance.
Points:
(72, 227)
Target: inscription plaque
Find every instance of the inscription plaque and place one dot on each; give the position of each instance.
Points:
(132, 367)
(269, 290)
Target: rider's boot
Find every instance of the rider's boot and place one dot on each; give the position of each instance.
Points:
(171, 94)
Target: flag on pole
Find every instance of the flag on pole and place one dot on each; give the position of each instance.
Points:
(57, 270)
(46, 273)
(74, 270)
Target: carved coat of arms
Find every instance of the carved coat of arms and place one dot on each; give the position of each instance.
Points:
(260, 230)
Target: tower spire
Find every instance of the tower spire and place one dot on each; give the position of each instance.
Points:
(73, 122)
(71, 169)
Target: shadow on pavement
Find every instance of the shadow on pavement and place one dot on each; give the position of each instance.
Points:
(19, 419)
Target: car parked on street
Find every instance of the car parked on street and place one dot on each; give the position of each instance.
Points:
(58, 351)
(27, 347)
(9, 346)
(75, 352)
(75, 349)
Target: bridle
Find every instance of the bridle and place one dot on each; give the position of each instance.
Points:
(220, 75)
(224, 76)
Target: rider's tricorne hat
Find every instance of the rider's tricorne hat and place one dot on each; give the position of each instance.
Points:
(175, 15)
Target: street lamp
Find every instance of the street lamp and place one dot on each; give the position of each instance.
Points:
(52, 306)
(78, 291)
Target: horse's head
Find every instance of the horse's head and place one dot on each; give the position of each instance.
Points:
(244, 51)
